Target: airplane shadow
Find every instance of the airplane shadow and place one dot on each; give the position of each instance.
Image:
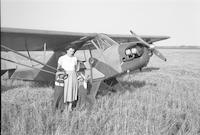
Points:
(121, 87)
(146, 69)
(134, 84)
(149, 69)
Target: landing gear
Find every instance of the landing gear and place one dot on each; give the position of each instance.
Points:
(109, 86)
(89, 97)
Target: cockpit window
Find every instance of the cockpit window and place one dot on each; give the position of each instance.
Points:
(108, 39)
(97, 45)
(103, 41)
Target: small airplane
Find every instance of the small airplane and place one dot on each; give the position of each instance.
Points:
(104, 56)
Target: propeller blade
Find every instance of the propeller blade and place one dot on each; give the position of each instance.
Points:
(159, 54)
(140, 39)
(150, 46)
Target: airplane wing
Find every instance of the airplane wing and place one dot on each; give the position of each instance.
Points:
(130, 38)
(34, 40)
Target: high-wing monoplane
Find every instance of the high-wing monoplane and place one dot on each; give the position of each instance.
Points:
(105, 56)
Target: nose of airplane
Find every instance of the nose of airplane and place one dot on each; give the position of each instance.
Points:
(130, 51)
(133, 56)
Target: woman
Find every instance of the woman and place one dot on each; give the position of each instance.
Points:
(69, 63)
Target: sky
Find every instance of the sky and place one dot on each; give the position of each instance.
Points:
(179, 19)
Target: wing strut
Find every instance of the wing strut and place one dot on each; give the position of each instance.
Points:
(28, 52)
(45, 49)
(9, 49)
(91, 61)
(28, 66)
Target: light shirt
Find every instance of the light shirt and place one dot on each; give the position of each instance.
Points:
(68, 63)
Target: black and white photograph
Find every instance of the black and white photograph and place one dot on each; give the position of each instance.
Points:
(100, 67)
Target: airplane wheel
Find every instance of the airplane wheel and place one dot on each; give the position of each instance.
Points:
(91, 61)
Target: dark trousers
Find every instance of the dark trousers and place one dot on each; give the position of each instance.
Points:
(58, 99)
(82, 93)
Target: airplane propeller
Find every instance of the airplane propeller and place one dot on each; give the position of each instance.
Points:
(150, 46)
(159, 54)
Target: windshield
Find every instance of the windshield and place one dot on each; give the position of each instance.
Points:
(104, 42)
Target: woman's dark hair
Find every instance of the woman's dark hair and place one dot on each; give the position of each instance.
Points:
(70, 46)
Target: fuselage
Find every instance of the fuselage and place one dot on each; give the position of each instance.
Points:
(112, 58)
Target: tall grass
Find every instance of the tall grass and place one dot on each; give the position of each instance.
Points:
(7, 84)
(166, 104)
(163, 102)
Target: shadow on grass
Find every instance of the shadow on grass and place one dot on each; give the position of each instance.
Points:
(122, 87)
(131, 86)
(14, 83)
(144, 70)
(111, 85)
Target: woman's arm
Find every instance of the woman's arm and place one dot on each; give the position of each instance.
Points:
(60, 60)
(59, 67)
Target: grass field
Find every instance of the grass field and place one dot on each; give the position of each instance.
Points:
(162, 100)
